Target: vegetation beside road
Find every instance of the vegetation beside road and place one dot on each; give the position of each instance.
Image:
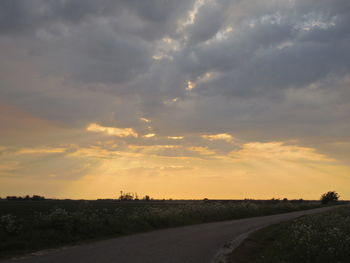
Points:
(320, 238)
(31, 225)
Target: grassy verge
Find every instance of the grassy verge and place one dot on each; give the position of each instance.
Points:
(29, 226)
(316, 238)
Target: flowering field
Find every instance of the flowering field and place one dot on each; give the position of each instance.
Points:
(321, 238)
(29, 225)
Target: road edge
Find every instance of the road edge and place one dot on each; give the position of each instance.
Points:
(223, 255)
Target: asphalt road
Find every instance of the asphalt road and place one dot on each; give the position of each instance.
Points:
(189, 244)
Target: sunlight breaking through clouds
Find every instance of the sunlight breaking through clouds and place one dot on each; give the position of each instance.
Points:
(145, 120)
(149, 135)
(190, 85)
(119, 132)
(40, 150)
(219, 136)
(277, 151)
(175, 98)
(176, 137)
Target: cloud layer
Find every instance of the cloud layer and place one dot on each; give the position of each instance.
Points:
(186, 79)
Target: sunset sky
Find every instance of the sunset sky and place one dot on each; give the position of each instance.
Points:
(175, 99)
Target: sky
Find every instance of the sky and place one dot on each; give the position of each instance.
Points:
(175, 99)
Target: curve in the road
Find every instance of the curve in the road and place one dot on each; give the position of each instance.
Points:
(189, 244)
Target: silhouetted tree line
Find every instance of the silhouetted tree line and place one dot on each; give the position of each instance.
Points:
(127, 196)
(25, 198)
(329, 197)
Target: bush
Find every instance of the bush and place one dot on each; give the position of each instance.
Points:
(331, 196)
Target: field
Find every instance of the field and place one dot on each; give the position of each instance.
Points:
(320, 238)
(32, 225)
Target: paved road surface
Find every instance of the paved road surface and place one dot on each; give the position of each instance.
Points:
(189, 244)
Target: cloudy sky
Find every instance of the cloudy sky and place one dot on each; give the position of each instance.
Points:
(175, 99)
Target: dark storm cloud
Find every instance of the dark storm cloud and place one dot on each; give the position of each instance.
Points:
(272, 52)
(261, 70)
(150, 18)
(21, 16)
(207, 23)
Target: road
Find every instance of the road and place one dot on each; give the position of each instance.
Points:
(189, 244)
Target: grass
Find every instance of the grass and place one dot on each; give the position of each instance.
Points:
(33, 225)
(320, 238)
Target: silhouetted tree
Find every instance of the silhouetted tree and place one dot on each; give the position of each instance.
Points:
(331, 196)
(147, 198)
(126, 196)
